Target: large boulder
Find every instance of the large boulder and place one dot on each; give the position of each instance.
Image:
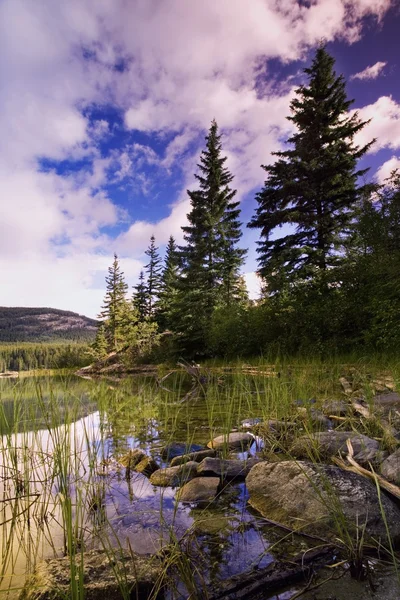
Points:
(201, 490)
(321, 499)
(235, 440)
(196, 456)
(390, 468)
(103, 576)
(325, 444)
(226, 469)
(174, 476)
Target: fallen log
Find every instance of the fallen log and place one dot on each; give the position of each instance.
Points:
(275, 576)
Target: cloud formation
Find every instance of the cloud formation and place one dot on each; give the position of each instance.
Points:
(169, 68)
(371, 72)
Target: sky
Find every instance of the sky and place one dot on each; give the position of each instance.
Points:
(104, 106)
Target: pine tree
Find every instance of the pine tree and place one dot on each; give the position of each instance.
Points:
(100, 345)
(114, 305)
(153, 271)
(140, 297)
(210, 259)
(169, 287)
(312, 187)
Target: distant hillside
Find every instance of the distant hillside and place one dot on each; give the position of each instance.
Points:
(44, 325)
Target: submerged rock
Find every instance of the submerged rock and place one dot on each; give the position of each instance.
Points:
(174, 476)
(328, 443)
(147, 466)
(232, 440)
(196, 456)
(226, 469)
(103, 577)
(201, 490)
(390, 468)
(132, 458)
(321, 499)
(178, 449)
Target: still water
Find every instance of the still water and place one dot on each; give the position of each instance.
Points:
(61, 444)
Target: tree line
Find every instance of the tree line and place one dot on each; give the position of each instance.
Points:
(328, 254)
(27, 357)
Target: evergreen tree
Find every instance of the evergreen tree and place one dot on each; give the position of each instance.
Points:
(100, 344)
(153, 271)
(114, 305)
(140, 297)
(312, 187)
(169, 287)
(210, 260)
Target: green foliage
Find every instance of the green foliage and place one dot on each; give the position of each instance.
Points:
(26, 357)
(113, 309)
(168, 295)
(210, 259)
(312, 186)
(140, 297)
(100, 345)
(154, 278)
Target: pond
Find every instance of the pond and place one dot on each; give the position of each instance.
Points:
(63, 486)
(63, 438)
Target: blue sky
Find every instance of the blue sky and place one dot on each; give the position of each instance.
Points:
(104, 109)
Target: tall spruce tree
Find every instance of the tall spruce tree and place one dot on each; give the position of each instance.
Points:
(140, 298)
(113, 309)
(210, 260)
(312, 187)
(168, 294)
(153, 272)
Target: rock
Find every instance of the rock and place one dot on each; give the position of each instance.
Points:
(387, 400)
(321, 499)
(232, 440)
(174, 476)
(132, 458)
(196, 456)
(317, 418)
(201, 490)
(390, 468)
(328, 443)
(147, 466)
(338, 408)
(51, 580)
(178, 449)
(226, 469)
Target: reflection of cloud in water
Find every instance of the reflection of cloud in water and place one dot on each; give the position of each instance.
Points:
(145, 515)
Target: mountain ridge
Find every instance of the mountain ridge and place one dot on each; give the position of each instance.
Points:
(44, 324)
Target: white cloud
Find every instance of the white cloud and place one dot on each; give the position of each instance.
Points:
(371, 72)
(384, 125)
(386, 169)
(185, 63)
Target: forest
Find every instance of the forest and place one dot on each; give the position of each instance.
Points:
(328, 252)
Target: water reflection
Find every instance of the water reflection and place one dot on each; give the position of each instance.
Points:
(61, 444)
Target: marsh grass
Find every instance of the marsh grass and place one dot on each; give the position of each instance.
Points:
(55, 489)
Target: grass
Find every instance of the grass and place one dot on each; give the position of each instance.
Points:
(56, 496)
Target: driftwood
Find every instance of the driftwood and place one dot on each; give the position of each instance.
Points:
(273, 577)
(394, 490)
